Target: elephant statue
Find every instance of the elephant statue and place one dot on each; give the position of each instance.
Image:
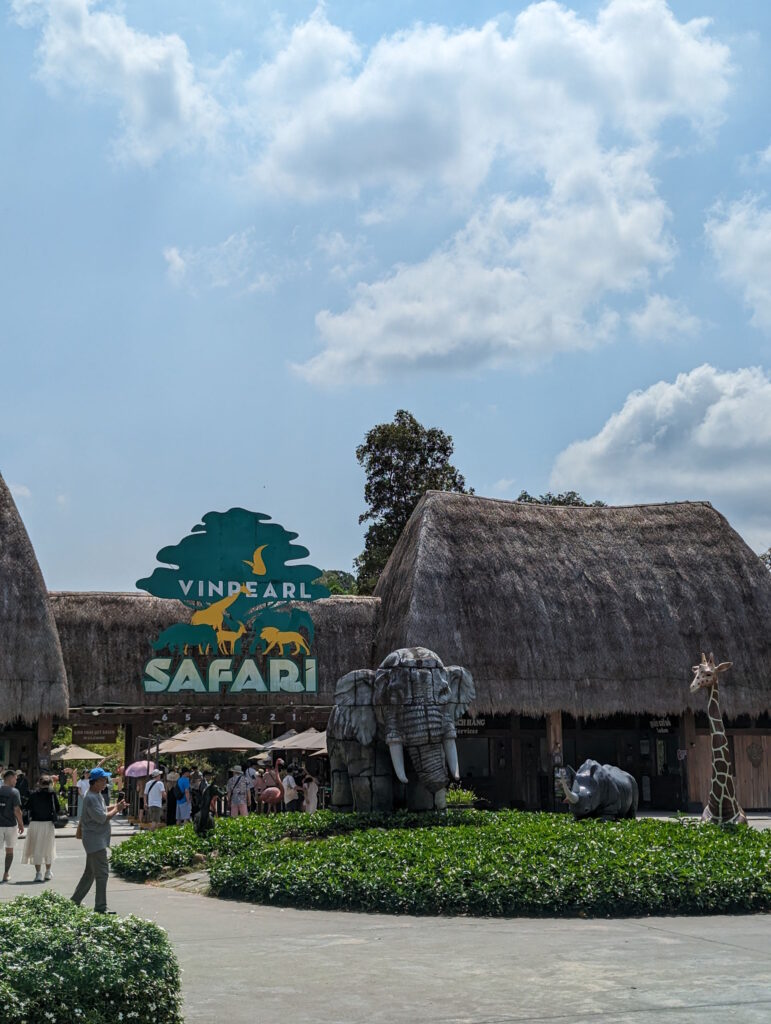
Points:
(391, 734)
(600, 791)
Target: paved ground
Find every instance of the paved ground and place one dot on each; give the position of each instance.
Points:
(244, 964)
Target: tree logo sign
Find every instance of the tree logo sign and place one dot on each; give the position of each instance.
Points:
(240, 576)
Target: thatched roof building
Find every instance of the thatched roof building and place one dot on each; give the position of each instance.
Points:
(107, 639)
(33, 683)
(591, 611)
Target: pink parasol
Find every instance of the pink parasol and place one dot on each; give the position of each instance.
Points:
(139, 769)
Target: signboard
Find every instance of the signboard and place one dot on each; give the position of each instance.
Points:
(660, 724)
(85, 734)
(237, 572)
(469, 726)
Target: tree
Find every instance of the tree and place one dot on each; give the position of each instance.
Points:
(337, 581)
(766, 559)
(402, 461)
(566, 498)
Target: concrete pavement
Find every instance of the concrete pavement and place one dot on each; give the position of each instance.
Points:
(243, 963)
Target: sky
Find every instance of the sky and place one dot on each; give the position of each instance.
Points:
(236, 235)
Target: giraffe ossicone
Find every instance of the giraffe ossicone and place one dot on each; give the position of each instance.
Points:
(722, 807)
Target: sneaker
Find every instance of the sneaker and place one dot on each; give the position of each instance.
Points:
(38, 877)
(47, 876)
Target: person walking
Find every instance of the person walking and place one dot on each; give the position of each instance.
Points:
(40, 844)
(182, 793)
(310, 795)
(11, 821)
(291, 792)
(83, 788)
(172, 778)
(238, 792)
(95, 834)
(155, 795)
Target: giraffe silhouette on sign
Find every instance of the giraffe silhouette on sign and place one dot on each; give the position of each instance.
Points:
(722, 808)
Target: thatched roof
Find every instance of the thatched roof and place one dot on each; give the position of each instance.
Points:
(593, 611)
(107, 639)
(32, 677)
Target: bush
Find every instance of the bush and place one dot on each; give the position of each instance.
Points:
(485, 864)
(457, 796)
(147, 854)
(62, 964)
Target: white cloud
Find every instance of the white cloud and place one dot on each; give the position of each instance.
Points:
(572, 103)
(663, 318)
(344, 256)
(164, 104)
(523, 279)
(739, 235)
(433, 106)
(232, 263)
(705, 436)
(20, 490)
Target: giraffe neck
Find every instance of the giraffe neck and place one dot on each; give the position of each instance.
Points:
(723, 805)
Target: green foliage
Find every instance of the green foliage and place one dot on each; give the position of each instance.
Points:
(402, 461)
(565, 498)
(472, 862)
(63, 964)
(457, 796)
(338, 582)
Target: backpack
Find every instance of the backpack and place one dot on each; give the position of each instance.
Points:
(177, 793)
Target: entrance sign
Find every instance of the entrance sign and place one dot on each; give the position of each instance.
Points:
(233, 572)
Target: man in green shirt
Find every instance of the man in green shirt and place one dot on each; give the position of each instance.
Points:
(95, 835)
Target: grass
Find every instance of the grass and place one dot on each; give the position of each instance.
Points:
(62, 964)
(478, 863)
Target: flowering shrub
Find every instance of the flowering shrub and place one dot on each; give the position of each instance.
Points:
(504, 863)
(62, 964)
(457, 796)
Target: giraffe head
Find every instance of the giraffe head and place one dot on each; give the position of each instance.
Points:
(706, 673)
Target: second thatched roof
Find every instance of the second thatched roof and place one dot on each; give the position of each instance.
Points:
(593, 611)
(33, 682)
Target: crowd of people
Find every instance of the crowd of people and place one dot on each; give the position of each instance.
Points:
(169, 797)
(39, 810)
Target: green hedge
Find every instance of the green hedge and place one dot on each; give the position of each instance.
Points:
(470, 862)
(62, 964)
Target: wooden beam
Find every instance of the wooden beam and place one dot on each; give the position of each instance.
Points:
(554, 735)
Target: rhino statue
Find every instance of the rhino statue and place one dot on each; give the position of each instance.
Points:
(600, 791)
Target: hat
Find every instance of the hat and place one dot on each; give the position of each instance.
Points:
(97, 773)
(156, 773)
(237, 768)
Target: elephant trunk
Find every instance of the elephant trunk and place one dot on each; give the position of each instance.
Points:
(396, 750)
(570, 796)
(430, 765)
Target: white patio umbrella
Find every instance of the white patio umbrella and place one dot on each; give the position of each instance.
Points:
(212, 738)
(72, 752)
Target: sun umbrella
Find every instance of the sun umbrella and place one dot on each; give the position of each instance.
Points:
(72, 752)
(311, 739)
(210, 739)
(139, 769)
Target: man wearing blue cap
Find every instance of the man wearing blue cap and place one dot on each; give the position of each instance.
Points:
(95, 834)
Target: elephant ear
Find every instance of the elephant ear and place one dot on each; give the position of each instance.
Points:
(353, 717)
(462, 688)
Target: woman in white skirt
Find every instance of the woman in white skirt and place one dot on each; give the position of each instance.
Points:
(40, 845)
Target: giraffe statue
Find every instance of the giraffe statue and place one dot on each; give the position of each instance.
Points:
(214, 614)
(722, 808)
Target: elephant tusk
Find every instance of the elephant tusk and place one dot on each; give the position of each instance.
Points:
(451, 753)
(570, 796)
(397, 757)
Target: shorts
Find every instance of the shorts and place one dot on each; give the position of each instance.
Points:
(183, 810)
(8, 834)
(238, 810)
(154, 815)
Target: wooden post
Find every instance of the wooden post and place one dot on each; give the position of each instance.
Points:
(555, 751)
(43, 753)
(695, 798)
(554, 735)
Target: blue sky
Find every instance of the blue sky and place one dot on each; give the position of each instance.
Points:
(236, 235)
